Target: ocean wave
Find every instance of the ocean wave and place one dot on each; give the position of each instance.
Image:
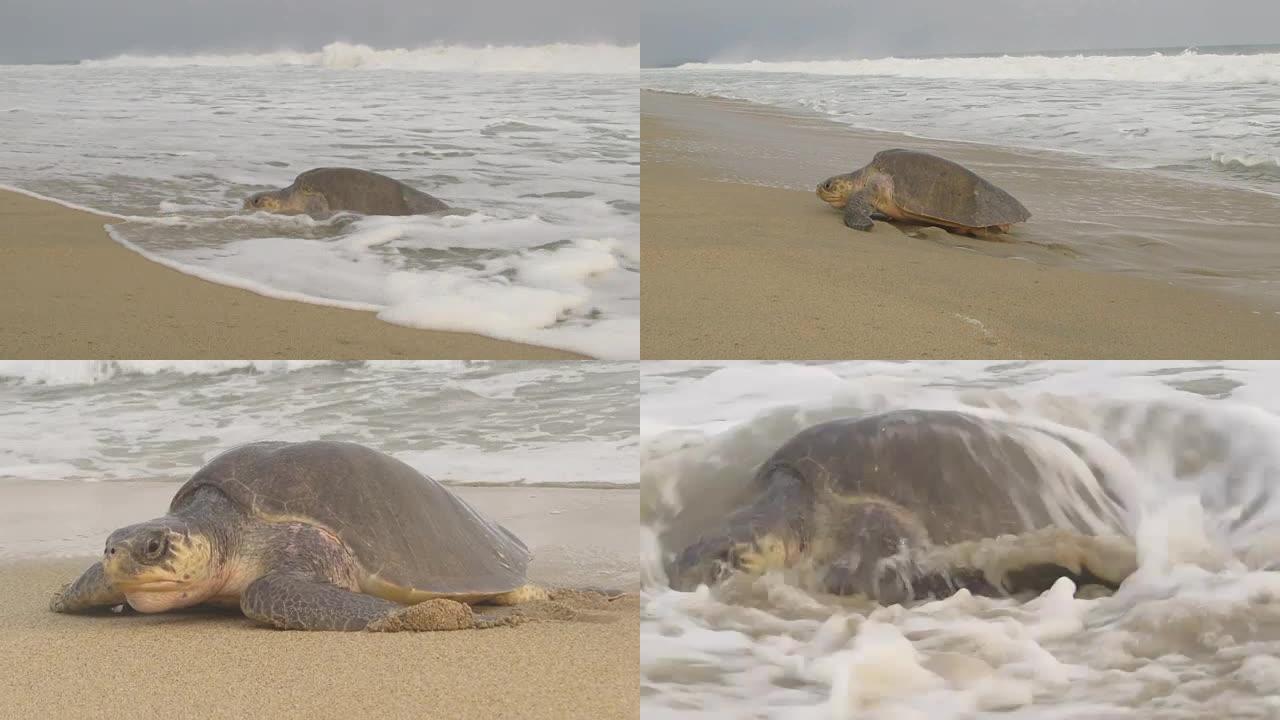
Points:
(1156, 67)
(93, 372)
(554, 58)
(1237, 161)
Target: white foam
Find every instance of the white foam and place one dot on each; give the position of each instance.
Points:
(552, 58)
(1156, 67)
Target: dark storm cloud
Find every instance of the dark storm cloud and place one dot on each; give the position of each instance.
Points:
(678, 30)
(62, 30)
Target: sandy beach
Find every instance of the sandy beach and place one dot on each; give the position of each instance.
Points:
(70, 291)
(208, 664)
(739, 269)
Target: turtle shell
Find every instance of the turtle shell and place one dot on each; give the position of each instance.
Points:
(937, 189)
(366, 192)
(406, 530)
(964, 477)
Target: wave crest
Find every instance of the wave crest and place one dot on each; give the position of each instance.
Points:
(1156, 67)
(1246, 161)
(553, 58)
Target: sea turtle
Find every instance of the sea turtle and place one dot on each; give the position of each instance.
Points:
(313, 536)
(324, 191)
(921, 188)
(911, 504)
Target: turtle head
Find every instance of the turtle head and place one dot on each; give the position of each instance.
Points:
(766, 535)
(264, 201)
(293, 200)
(162, 564)
(713, 559)
(706, 562)
(837, 188)
(755, 545)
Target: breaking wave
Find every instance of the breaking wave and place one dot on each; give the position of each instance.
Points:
(553, 58)
(1245, 161)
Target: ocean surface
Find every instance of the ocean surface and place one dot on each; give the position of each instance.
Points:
(541, 142)
(1209, 114)
(1194, 633)
(465, 423)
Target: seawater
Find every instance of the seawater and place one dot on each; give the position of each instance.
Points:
(467, 422)
(1194, 633)
(1211, 114)
(541, 142)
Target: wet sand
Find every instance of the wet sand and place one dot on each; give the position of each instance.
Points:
(736, 268)
(210, 664)
(69, 291)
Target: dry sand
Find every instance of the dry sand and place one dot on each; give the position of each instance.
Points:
(70, 291)
(204, 664)
(736, 270)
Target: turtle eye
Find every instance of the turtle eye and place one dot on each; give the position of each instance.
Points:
(154, 547)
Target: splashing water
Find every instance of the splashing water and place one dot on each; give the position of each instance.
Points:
(1194, 631)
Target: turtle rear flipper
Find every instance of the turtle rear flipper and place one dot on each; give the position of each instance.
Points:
(90, 592)
(1008, 565)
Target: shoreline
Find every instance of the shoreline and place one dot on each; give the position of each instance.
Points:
(740, 270)
(81, 295)
(1085, 215)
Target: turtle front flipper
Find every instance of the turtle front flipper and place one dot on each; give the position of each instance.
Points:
(91, 591)
(293, 601)
(857, 211)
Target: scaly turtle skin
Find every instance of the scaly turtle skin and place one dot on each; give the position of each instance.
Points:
(921, 188)
(313, 536)
(893, 506)
(324, 191)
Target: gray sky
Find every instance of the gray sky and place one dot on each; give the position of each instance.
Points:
(59, 30)
(737, 30)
